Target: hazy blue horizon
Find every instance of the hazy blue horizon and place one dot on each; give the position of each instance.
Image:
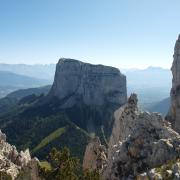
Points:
(123, 34)
(54, 64)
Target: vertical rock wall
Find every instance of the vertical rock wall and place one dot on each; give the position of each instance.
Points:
(174, 112)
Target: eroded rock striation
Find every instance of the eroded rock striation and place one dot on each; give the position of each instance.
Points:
(174, 113)
(13, 162)
(89, 94)
(92, 84)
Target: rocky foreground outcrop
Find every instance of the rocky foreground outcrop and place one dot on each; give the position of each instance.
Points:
(174, 113)
(141, 146)
(143, 142)
(95, 157)
(17, 165)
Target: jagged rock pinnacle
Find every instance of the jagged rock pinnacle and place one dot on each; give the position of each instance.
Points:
(139, 142)
(133, 100)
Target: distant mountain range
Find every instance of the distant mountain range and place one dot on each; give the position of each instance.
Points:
(19, 97)
(161, 106)
(152, 84)
(37, 71)
(150, 77)
(10, 82)
(20, 81)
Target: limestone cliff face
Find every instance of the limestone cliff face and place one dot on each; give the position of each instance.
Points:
(89, 94)
(174, 114)
(92, 84)
(12, 162)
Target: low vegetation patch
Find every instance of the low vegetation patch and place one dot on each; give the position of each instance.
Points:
(62, 166)
(57, 133)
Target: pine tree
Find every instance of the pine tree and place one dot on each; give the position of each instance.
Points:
(65, 167)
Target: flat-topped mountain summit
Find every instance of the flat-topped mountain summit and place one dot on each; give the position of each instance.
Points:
(89, 84)
(89, 94)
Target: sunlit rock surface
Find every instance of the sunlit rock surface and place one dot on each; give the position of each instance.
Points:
(13, 162)
(141, 142)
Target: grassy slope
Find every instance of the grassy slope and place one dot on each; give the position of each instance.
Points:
(54, 135)
(41, 133)
(39, 127)
(45, 164)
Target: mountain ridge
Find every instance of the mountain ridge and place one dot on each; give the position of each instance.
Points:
(10, 82)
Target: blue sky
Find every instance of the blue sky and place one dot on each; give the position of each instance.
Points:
(121, 33)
